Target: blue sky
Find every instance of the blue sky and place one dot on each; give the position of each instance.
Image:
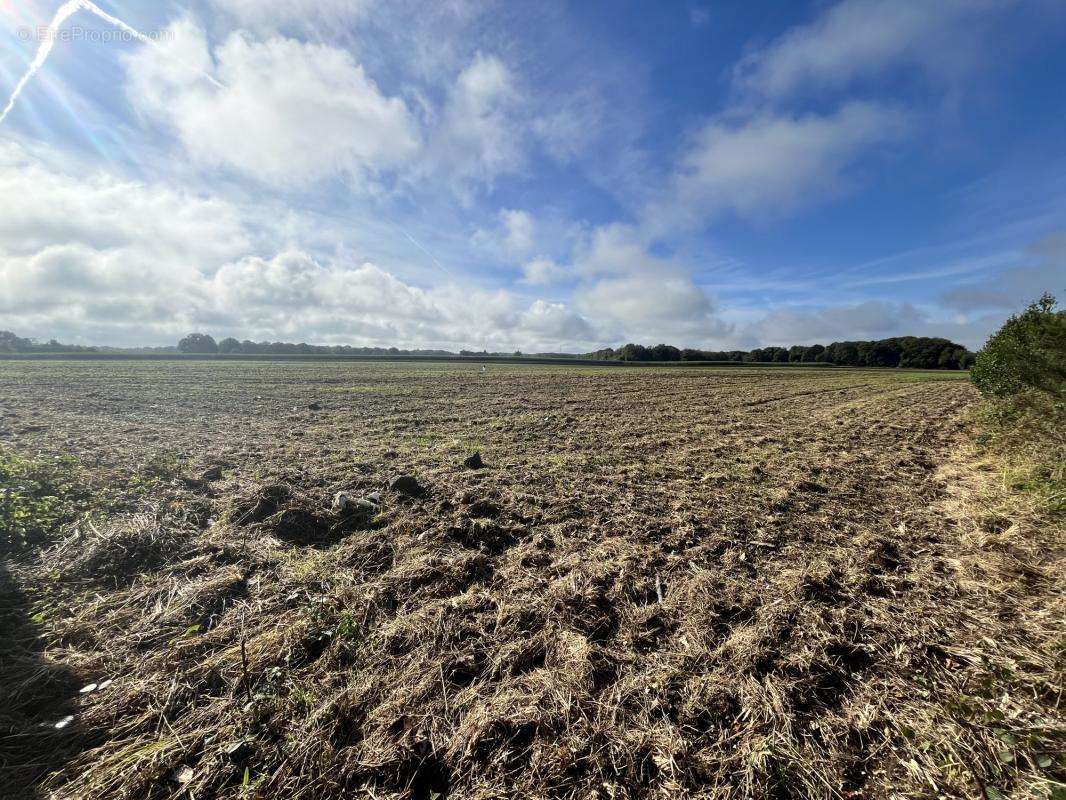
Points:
(535, 176)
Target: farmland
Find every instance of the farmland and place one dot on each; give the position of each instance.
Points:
(663, 582)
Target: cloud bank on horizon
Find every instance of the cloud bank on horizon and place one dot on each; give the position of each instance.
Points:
(542, 176)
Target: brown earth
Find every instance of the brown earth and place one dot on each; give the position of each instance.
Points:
(662, 583)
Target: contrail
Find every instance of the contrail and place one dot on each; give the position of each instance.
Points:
(418, 244)
(64, 13)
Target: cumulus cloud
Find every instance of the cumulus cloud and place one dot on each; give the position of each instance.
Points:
(557, 322)
(638, 300)
(772, 164)
(90, 257)
(103, 213)
(619, 249)
(856, 40)
(515, 234)
(761, 159)
(635, 293)
(479, 136)
(288, 113)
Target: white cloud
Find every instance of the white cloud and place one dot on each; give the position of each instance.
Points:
(556, 322)
(91, 258)
(543, 271)
(637, 300)
(771, 165)
(479, 136)
(856, 40)
(290, 112)
(304, 14)
(617, 249)
(513, 237)
(520, 230)
(104, 214)
(639, 295)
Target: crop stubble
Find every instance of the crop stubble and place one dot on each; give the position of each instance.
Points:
(665, 582)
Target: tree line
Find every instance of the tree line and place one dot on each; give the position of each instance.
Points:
(10, 343)
(916, 352)
(204, 343)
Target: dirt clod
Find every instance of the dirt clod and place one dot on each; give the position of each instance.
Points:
(407, 485)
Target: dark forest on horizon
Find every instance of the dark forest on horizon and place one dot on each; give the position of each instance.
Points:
(915, 352)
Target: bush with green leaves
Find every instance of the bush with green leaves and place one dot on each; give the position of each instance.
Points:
(1028, 352)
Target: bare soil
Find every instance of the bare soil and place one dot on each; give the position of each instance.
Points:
(662, 583)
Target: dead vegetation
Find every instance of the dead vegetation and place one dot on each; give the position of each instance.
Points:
(681, 583)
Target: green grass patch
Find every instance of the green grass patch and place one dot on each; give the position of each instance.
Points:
(38, 496)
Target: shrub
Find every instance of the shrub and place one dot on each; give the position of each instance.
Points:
(1028, 352)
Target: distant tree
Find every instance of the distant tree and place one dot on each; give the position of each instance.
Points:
(664, 352)
(633, 352)
(814, 353)
(229, 345)
(606, 354)
(10, 343)
(843, 353)
(198, 343)
(884, 353)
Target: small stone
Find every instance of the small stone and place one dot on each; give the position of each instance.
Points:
(341, 501)
(183, 774)
(474, 461)
(239, 752)
(64, 722)
(406, 484)
(314, 407)
(374, 497)
(92, 687)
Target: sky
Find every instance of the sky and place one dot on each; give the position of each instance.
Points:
(540, 176)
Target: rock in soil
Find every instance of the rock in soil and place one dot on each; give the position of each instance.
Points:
(345, 503)
(406, 484)
(474, 461)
